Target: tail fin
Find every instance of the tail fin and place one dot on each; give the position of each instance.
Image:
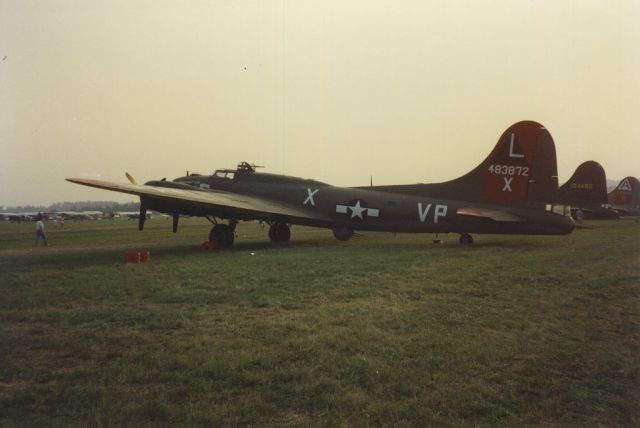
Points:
(586, 187)
(521, 169)
(627, 192)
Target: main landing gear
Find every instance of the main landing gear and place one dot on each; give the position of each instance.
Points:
(223, 235)
(466, 239)
(342, 233)
(279, 232)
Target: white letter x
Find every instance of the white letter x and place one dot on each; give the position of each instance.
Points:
(507, 183)
(310, 197)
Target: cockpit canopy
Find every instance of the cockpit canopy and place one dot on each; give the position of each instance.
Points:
(224, 173)
(230, 173)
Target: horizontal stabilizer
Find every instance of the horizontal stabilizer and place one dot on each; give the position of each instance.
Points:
(496, 215)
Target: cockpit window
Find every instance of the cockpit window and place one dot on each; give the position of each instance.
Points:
(224, 174)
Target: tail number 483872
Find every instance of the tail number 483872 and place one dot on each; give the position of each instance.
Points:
(509, 170)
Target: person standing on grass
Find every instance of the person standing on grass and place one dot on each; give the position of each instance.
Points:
(40, 231)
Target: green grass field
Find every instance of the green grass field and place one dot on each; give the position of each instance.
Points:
(380, 330)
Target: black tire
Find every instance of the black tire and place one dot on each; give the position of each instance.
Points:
(466, 239)
(279, 232)
(222, 235)
(342, 233)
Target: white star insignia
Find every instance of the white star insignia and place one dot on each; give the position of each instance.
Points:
(357, 210)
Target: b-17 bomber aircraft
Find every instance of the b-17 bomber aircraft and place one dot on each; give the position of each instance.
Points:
(511, 192)
(587, 190)
(625, 198)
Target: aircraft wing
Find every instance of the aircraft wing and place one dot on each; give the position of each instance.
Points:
(213, 199)
(496, 215)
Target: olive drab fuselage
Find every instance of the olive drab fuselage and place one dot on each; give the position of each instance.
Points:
(358, 208)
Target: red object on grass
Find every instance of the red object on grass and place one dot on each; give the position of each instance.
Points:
(132, 257)
(208, 246)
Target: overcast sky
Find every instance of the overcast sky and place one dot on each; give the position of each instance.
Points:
(406, 91)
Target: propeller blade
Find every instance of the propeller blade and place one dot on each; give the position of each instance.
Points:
(130, 178)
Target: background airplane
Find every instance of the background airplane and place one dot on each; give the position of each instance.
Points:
(625, 198)
(511, 192)
(19, 217)
(587, 190)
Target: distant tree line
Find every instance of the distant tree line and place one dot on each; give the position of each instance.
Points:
(105, 206)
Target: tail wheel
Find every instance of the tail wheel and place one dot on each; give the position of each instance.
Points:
(279, 232)
(343, 233)
(466, 239)
(222, 235)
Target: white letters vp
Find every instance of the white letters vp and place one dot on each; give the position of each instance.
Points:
(440, 211)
